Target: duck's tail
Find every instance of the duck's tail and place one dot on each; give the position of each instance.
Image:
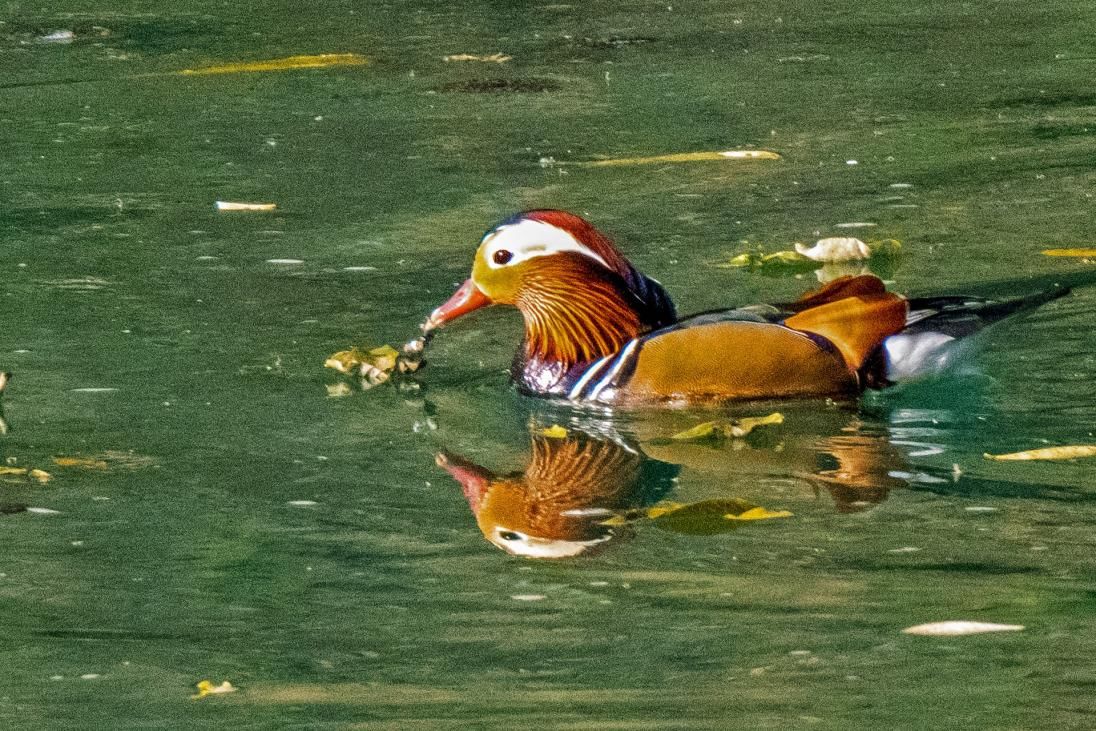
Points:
(936, 326)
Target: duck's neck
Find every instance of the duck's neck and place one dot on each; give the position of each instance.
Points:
(575, 318)
(570, 330)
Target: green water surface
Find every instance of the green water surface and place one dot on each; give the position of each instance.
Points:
(250, 527)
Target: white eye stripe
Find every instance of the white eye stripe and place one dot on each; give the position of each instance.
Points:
(529, 239)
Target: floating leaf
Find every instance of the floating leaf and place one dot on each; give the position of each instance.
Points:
(87, 463)
(5, 470)
(279, 64)
(40, 475)
(709, 517)
(824, 251)
(781, 261)
(954, 628)
(205, 688)
(492, 58)
(374, 365)
(1082, 253)
(1074, 451)
(237, 206)
(554, 432)
(759, 514)
(687, 157)
(726, 429)
(4, 378)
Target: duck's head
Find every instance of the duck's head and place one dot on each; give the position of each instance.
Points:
(580, 298)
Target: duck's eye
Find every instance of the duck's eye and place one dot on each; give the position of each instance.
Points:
(509, 535)
(502, 256)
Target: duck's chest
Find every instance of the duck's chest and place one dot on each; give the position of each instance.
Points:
(708, 363)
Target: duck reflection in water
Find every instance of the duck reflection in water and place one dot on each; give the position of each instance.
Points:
(580, 492)
(558, 506)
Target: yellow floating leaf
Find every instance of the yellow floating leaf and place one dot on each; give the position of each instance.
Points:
(1074, 451)
(554, 432)
(289, 63)
(82, 462)
(759, 514)
(1083, 253)
(205, 688)
(40, 475)
(686, 157)
(492, 58)
(709, 517)
(742, 427)
(782, 260)
(5, 470)
(382, 358)
(707, 430)
(723, 429)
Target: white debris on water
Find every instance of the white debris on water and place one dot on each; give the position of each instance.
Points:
(302, 503)
(92, 390)
(58, 36)
(836, 249)
(528, 597)
(285, 262)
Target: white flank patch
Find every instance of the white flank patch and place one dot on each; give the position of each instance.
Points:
(954, 628)
(529, 239)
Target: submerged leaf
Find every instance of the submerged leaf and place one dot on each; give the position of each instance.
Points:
(1074, 451)
(709, 517)
(206, 687)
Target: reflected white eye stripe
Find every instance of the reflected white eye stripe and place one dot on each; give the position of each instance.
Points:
(529, 239)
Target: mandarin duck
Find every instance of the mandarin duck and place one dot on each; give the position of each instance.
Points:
(599, 331)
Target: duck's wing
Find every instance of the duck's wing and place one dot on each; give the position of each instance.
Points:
(719, 360)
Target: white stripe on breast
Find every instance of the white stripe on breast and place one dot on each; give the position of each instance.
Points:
(590, 372)
(624, 357)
